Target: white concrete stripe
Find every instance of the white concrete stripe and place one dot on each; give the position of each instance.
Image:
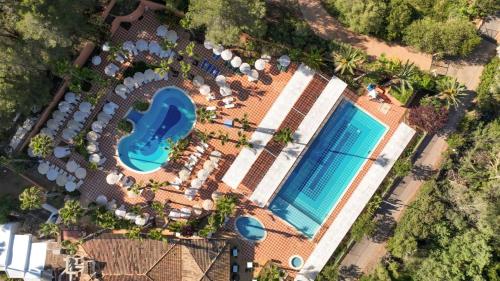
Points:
(271, 122)
(353, 207)
(304, 133)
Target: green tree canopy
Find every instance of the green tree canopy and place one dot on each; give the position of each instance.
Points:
(225, 20)
(31, 198)
(71, 212)
(363, 16)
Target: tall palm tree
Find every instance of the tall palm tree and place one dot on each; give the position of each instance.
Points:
(154, 185)
(245, 123)
(164, 67)
(41, 145)
(71, 212)
(314, 59)
(223, 137)
(203, 136)
(203, 115)
(348, 59)
(243, 141)
(403, 78)
(167, 44)
(177, 148)
(226, 205)
(450, 90)
(32, 198)
(284, 136)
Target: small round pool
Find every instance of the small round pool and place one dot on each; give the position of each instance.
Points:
(250, 228)
(296, 262)
(171, 115)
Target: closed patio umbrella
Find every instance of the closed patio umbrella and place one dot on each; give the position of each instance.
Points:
(94, 158)
(225, 91)
(236, 62)
(97, 126)
(184, 175)
(71, 166)
(198, 81)
(245, 68)
(226, 54)
(161, 31)
(208, 205)
(43, 168)
(220, 80)
(81, 173)
(70, 97)
(52, 124)
(141, 45)
(52, 174)
(96, 60)
(64, 106)
(92, 136)
(209, 45)
(284, 60)
(61, 180)
(80, 116)
(205, 89)
(172, 36)
(101, 200)
(129, 82)
(253, 75)
(70, 186)
(217, 50)
(260, 64)
(85, 107)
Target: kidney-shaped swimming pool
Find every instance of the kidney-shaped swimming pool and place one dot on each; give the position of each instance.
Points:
(171, 115)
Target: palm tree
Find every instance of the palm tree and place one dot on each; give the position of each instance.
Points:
(70, 247)
(32, 198)
(156, 234)
(223, 137)
(403, 78)
(164, 67)
(158, 208)
(348, 60)
(185, 68)
(167, 44)
(41, 145)
(284, 136)
(48, 229)
(176, 148)
(314, 59)
(114, 51)
(189, 50)
(271, 273)
(245, 123)
(451, 91)
(154, 186)
(243, 141)
(226, 205)
(71, 212)
(134, 233)
(203, 115)
(203, 136)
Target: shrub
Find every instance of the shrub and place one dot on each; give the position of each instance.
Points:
(488, 91)
(141, 105)
(428, 118)
(139, 66)
(125, 126)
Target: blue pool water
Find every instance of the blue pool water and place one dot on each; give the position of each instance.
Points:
(296, 262)
(250, 228)
(327, 167)
(171, 115)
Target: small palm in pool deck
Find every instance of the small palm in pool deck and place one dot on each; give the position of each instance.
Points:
(41, 145)
(245, 123)
(177, 148)
(203, 115)
(185, 68)
(284, 136)
(223, 137)
(203, 136)
(243, 141)
(164, 67)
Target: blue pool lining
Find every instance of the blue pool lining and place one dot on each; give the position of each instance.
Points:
(242, 236)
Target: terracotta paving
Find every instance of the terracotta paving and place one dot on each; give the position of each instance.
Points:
(282, 240)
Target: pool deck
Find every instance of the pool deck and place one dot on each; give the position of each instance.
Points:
(257, 99)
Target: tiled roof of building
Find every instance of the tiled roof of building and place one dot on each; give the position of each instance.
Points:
(125, 259)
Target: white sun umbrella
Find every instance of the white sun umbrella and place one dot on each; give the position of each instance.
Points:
(260, 64)
(203, 174)
(112, 178)
(61, 152)
(220, 80)
(61, 180)
(236, 62)
(48, 132)
(111, 205)
(52, 174)
(197, 209)
(94, 158)
(129, 82)
(217, 50)
(91, 147)
(71, 166)
(130, 216)
(196, 183)
(139, 78)
(172, 36)
(109, 108)
(68, 134)
(140, 221)
(120, 212)
(174, 214)
(64, 106)
(226, 54)
(225, 91)
(266, 57)
(186, 212)
(154, 48)
(70, 186)
(161, 31)
(245, 68)
(216, 195)
(111, 69)
(80, 116)
(70, 97)
(92, 136)
(253, 75)
(106, 47)
(205, 89)
(81, 173)
(198, 81)
(101, 200)
(97, 126)
(184, 175)
(52, 124)
(208, 165)
(149, 75)
(141, 45)
(128, 46)
(85, 107)
(284, 60)
(121, 89)
(73, 124)
(43, 168)
(208, 205)
(209, 45)
(104, 117)
(190, 193)
(96, 60)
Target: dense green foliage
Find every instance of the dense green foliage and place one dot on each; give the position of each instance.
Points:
(31, 198)
(488, 91)
(35, 34)
(225, 20)
(439, 27)
(7, 205)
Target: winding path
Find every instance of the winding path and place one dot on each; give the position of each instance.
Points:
(327, 27)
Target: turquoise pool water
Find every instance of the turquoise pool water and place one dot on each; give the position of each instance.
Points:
(296, 262)
(327, 167)
(171, 115)
(250, 228)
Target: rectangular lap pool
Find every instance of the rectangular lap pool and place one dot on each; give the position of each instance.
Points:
(327, 168)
